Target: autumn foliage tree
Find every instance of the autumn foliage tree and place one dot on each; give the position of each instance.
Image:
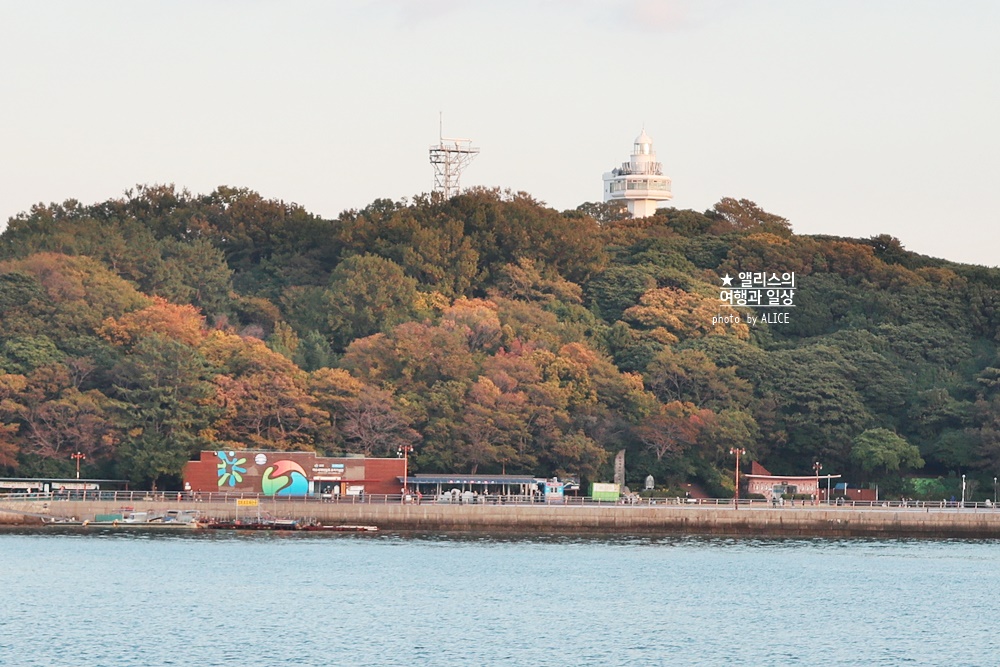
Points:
(667, 315)
(674, 427)
(489, 330)
(261, 398)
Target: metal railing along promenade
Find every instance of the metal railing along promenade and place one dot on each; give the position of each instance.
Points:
(128, 499)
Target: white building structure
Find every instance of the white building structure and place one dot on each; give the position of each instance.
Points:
(640, 181)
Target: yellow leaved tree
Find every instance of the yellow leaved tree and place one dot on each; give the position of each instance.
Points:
(669, 315)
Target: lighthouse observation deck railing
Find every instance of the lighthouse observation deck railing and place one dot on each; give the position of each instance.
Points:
(638, 186)
(645, 168)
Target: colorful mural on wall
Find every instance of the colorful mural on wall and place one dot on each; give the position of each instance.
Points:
(285, 474)
(230, 468)
(284, 478)
(281, 478)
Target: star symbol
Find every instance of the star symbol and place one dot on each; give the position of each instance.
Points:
(727, 281)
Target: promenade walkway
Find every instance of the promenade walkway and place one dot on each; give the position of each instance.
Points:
(666, 516)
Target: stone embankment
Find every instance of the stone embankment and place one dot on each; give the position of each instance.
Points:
(624, 519)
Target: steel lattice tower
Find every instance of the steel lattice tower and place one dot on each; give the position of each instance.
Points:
(450, 157)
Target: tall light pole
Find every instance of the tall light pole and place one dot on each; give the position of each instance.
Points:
(404, 451)
(736, 495)
(994, 492)
(963, 491)
(817, 467)
(78, 456)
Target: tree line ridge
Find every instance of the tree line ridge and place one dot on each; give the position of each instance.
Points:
(492, 333)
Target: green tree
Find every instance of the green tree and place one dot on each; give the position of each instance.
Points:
(283, 340)
(313, 352)
(193, 272)
(164, 389)
(368, 294)
(815, 404)
(881, 452)
(81, 291)
(605, 212)
(690, 376)
(744, 214)
(577, 455)
(618, 288)
(725, 430)
(525, 280)
(25, 308)
(26, 353)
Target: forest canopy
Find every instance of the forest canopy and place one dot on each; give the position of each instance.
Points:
(491, 333)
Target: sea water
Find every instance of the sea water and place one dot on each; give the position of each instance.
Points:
(201, 599)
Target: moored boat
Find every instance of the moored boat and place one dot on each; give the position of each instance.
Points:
(123, 525)
(342, 528)
(263, 524)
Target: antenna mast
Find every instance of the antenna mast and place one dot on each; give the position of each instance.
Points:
(449, 157)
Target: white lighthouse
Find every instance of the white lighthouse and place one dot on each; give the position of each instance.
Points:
(640, 181)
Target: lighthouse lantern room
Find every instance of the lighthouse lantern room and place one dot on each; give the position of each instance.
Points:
(640, 181)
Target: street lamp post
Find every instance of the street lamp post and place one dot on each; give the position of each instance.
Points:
(736, 495)
(78, 456)
(404, 451)
(994, 492)
(817, 467)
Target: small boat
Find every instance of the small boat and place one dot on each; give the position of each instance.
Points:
(122, 525)
(342, 529)
(265, 524)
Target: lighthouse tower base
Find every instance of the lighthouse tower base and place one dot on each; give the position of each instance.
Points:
(642, 208)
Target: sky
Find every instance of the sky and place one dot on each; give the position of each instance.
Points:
(849, 118)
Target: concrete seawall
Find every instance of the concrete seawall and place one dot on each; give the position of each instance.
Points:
(623, 519)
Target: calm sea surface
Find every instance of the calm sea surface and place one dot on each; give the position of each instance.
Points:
(269, 599)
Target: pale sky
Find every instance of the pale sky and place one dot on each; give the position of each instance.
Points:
(852, 118)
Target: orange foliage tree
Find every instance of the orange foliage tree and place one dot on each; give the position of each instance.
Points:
(669, 315)
(262, 396)
(673, 428)
(184, 324)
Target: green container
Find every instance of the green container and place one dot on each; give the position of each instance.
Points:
(107, 518)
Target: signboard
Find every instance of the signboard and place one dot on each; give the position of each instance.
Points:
(333, 468)
(604, 491)
(20, 485)
(620, 468)
(246, 502)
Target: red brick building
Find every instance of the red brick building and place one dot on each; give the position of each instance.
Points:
(292, 474)
(762, 482)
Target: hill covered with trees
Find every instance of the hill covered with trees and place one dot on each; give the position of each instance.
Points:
(490, 332)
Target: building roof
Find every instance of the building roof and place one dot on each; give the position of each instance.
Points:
(757, 470)
(745, 476)
(469, 479)
(643, 138)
